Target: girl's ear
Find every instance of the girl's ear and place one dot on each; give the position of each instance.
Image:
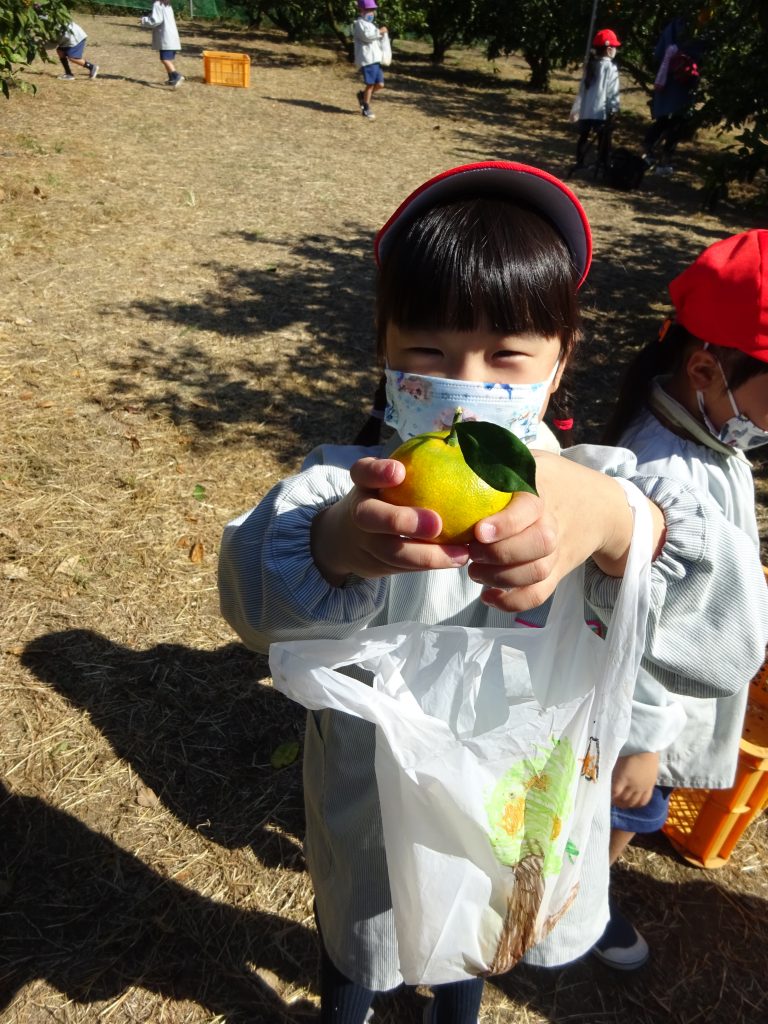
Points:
(559, 375)
(702, 370)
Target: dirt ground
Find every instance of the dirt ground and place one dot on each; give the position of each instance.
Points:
(185, 309)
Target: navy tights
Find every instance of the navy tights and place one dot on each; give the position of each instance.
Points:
(344, 1002)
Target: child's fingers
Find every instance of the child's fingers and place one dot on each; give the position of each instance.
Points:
(374, 516)
(372, 474)
(520, 514)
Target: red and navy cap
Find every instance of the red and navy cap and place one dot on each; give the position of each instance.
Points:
(531, 185)
(722, 298)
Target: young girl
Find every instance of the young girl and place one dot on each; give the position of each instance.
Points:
(478, 277)
(165, 38)
(598, 96)
(368, 54)
(71, 50)
(691, 405)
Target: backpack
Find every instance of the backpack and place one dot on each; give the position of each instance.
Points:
(684, 70)
(625, 170)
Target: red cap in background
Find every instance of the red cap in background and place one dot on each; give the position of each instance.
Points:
(722, 298)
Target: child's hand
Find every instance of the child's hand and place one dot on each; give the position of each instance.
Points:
(633, 779)
(361, 535)
(522, 552)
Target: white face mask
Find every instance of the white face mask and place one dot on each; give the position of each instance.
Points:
(417, 404)
(739, 431)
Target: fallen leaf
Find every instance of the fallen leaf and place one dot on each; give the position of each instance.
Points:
(133, 441)
(198, 492)
(46, 404)
(196, 552)
(68, 566)
(285, 754)
(146, 797)
(183, 542)
(15, 571)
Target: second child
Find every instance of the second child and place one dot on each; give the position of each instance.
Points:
(165, 38)
(692, 404)
(598, 100)
(71, 50)
(367, 39)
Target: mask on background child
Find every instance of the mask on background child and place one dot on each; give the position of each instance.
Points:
(417, 404)
(369, 17)
(739, 431)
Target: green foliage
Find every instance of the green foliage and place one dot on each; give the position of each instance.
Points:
(25, 28)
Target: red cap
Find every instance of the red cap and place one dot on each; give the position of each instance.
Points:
(505, 179)
(605, 37)
(722, 297)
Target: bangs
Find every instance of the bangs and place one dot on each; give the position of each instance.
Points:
(479, 263)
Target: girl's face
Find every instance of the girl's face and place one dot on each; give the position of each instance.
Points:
(751, 397)
(482, 356)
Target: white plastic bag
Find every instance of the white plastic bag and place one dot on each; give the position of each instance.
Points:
(493, 747)
(386, 50)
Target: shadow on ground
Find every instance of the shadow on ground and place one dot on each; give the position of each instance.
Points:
(198, 727)
(94, 921)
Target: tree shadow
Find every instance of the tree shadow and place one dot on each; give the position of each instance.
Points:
(322, 108)
(198, 727)
(321, 285)
(93, 921)
(707, 961)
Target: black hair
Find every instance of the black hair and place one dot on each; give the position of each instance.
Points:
(664, 357)
(478, 262)
(475, 262)
(591, 70)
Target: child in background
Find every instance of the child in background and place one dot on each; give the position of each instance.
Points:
(71, 49)
(598, 97)
(367, 41)
(478, 277)
(165, 38)
(691, 405)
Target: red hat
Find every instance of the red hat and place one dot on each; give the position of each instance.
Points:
(722, 297)
(605, 37)
(539, 189)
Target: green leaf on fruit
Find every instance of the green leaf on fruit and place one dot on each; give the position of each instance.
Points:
(285, 754)
(497, 456)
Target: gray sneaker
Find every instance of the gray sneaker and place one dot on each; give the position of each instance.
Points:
(621, 945)
(67, 78)
(367, 112)
(94, 71)
(176, 81)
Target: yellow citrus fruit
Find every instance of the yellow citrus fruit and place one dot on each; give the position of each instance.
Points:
(437, 477)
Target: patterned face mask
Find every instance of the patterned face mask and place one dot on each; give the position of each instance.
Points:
(739, 431)
(417, 404)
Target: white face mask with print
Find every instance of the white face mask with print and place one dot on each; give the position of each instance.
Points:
(737, 432)
(417, 404)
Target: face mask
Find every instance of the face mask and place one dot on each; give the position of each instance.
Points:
(369, 17)
(417, 404)
(739, 431)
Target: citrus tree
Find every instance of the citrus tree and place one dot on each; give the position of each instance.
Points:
(25, 28)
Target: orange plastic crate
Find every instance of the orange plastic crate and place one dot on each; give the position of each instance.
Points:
(704, 825)
(221, 68)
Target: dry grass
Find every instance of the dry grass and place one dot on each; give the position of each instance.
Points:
(185, 309)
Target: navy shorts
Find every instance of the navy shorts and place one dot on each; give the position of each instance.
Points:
(167, 55)
(643, 819)
(75, 51)
(372, 74)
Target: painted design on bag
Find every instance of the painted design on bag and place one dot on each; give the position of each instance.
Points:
(590, 765)
(528, 805)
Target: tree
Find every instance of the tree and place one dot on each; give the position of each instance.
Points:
(25, 28)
